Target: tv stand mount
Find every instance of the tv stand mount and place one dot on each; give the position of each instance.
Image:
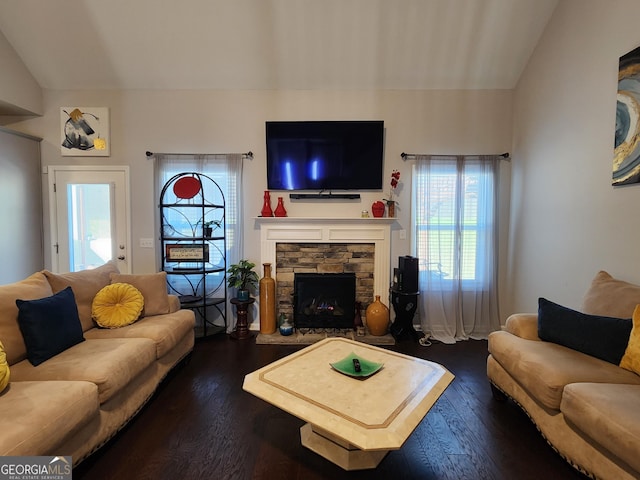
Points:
(323, 196)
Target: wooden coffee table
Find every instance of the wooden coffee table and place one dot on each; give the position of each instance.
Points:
(351, 422)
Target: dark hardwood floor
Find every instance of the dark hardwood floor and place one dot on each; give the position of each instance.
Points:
(202, 425)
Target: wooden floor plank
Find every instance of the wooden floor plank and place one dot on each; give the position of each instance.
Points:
(202, 425)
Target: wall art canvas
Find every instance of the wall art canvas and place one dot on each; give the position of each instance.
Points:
(84, 131)
(626, 157)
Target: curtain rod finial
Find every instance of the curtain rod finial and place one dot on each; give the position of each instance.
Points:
(149, 154)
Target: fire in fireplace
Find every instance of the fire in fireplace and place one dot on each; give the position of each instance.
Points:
(324, 300)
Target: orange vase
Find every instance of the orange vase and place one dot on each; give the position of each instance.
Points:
(267, 302)
(377, 317)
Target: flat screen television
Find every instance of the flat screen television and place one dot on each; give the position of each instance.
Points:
(325, 155)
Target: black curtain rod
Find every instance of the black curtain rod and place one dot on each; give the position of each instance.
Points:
(405, 156)
(249, 154)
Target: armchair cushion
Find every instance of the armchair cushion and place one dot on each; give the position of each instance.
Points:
(610, 297)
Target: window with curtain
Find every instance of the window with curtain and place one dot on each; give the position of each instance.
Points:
(456, 233)
(226, 171)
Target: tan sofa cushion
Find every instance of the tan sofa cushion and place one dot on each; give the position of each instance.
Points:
(544, 368)
(165, 330)
(85, 285)
(31, 288)
(608, 415)
(111, 364)
(153, 287)
(37, 417)
(610, 297)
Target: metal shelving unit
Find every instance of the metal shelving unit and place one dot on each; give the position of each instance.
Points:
(193, 247)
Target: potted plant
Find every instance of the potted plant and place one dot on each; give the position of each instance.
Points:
(391, 203)
(207, 227)
(242, 277)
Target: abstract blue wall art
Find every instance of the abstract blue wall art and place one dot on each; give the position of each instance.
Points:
(626, 158)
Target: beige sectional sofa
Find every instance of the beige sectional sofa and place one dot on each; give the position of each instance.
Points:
(587, 408)
(75, 401)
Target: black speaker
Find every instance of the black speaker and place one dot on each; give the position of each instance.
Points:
(408, 274)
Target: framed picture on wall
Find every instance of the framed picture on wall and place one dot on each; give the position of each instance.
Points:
(626, 156)
(84, 131)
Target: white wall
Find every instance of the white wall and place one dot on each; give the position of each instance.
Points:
(21, 238)
(233, 121)
(20, 94)
(567, 221)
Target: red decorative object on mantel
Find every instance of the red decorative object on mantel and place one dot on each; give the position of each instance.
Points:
(280, 211)
(377, 208)
(266, 207)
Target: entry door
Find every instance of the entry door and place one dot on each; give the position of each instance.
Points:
(90, 217)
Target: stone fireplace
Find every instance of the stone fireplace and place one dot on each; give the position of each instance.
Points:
(323, 260)
(320, 245)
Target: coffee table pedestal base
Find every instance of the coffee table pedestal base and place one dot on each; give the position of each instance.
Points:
(343, 454)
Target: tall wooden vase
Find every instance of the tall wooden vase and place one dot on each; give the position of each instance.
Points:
(267, 301)
(377, 317)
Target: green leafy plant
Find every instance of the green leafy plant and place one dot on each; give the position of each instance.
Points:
(211, 223)
(242, 276)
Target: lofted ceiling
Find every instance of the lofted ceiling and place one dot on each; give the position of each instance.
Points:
(275, 44)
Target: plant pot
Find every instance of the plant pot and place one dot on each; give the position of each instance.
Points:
(243, 295)
(391, 209)
(207, 231)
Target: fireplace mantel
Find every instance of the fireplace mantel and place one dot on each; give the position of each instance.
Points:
(275, 230)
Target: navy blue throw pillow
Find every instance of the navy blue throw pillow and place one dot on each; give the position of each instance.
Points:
(49, 325)
(605, 338)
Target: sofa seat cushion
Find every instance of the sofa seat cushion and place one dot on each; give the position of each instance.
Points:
(545, 368)
(165, 330)
(37, 417)
(608, 414)
(31, 288)
(109, 363)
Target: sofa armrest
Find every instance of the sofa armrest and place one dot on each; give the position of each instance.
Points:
(523, 325)
(174, 303)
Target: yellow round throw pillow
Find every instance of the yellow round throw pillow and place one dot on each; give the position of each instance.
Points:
(4, 369)
(117, 305)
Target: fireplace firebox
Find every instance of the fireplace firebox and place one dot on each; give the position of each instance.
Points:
(324, 300)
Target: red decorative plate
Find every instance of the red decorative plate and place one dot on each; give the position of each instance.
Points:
(186, 187)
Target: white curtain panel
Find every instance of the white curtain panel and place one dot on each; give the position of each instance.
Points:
(226, 171)
(456, 241)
